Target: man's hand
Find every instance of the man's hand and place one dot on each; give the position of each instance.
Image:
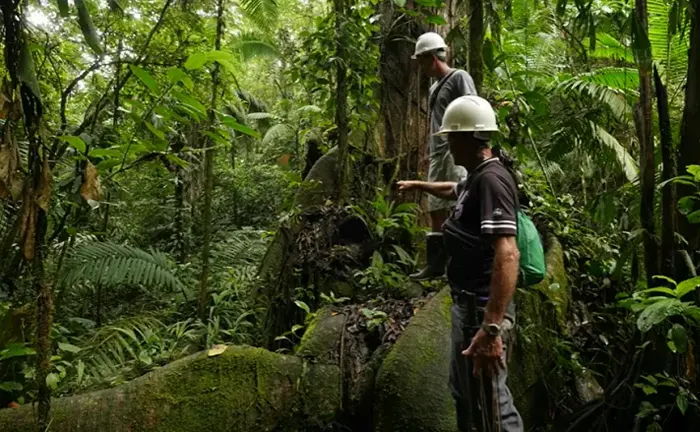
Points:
(487, 353)
(407, 185)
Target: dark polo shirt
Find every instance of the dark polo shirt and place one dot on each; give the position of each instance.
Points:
(487, 206)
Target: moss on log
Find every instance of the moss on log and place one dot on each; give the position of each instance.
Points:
(412, 393)
(243, 389)
(321, 339)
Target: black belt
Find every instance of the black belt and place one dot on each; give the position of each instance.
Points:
(462, 297)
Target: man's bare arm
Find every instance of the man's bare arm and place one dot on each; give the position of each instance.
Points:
(444, 190)
(504, 277)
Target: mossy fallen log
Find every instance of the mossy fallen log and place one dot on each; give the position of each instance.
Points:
(243, 389)
(412, 393)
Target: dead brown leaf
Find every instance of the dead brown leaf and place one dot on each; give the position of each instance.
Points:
(690, 371)
(43, 198)
(90, 189)
(28, 226)
(9, 158)
(17, 184)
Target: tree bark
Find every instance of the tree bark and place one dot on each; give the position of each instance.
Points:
(404, 97)
(643, 121)
(476, 42)
(209, 171)
(36, 195)
(690, 126)
(669, 204)
(341, 108)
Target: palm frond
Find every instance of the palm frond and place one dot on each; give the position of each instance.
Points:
(626, 161)
(277, 132)
(606, 85)
(109, 263)
(607, 47)
(252, 45)
(264, 13)
(669, 48)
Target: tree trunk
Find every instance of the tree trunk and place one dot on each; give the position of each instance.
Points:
(209, 171)
(643, 122)
(404, 97)
(669, 204)
(341, 101)
(690, 126)
(36, 195)
(476, 42)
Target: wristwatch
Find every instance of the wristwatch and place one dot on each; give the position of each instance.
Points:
(491, 329)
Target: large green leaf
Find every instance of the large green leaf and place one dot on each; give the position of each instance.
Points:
(658, 312)
(176, 75)
(87, 27)
(75, 142)
(198, 60)
(9, 386)
(145, 77)
(687, 286)
(16, 350)
(233, 124)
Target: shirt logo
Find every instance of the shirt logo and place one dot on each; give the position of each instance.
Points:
(498, 212)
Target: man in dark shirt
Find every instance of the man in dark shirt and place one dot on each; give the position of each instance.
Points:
(480, 238)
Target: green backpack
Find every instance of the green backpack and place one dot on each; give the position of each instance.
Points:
(532, 266)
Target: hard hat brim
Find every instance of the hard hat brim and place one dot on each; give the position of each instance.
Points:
(449, 131)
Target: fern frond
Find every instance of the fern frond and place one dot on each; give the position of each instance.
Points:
(108, 349)
(243, 248)
(109, 263)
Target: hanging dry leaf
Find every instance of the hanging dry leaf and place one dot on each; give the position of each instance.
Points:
(44, 193)
(217, 350)
(28, 226)
(9, 157)
(16, 185)
(5, 100)
(90, 189)
(690, 368)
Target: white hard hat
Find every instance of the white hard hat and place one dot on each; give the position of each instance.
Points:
(428, 42)
(468, 114)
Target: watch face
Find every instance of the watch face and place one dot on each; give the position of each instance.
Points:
(493, 329)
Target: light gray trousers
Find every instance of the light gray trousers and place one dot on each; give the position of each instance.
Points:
(467, 389)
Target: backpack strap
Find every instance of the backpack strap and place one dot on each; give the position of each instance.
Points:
(438, 87)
